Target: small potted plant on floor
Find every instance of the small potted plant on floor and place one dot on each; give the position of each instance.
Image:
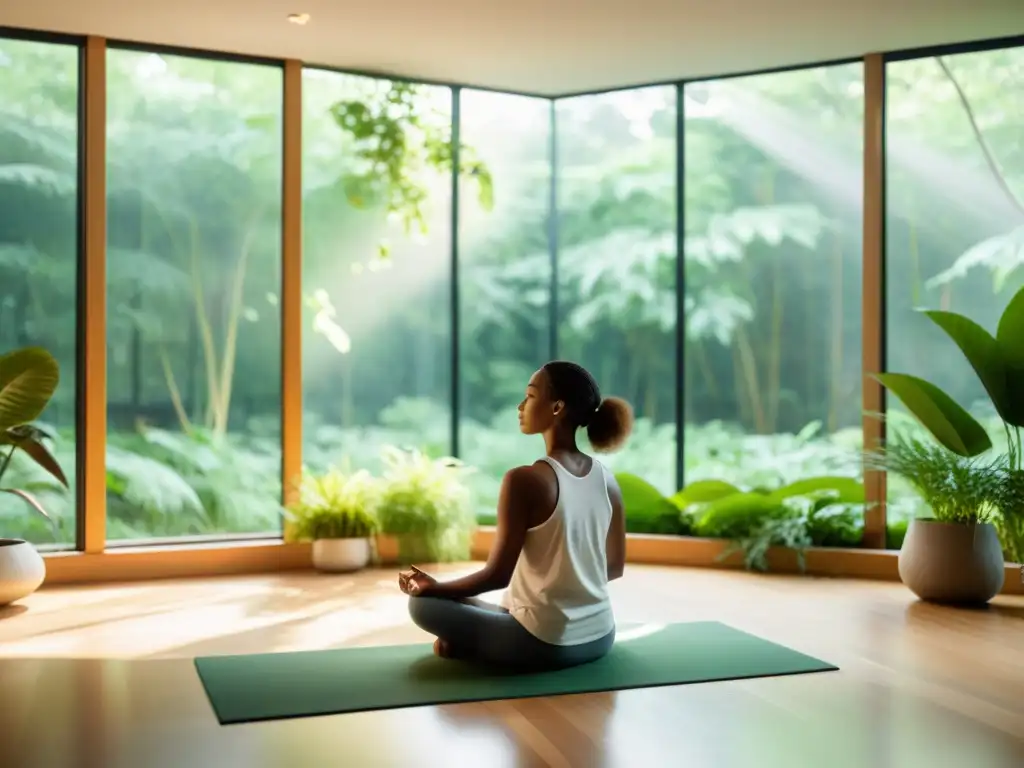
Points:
(337, 512)
(426, 505)
(953, 555)
(976, 493)
(28, 379)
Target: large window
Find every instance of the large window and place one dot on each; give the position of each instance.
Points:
(193, 289)
(616, 263)
(773, 225)
(504, 279)
(376, 269)
(571, 242)
(39, 245)
(955, 207)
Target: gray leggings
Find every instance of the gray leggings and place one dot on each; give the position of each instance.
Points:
(480, 631)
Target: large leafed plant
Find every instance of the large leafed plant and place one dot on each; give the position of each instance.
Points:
(998, 361)
(28, 379)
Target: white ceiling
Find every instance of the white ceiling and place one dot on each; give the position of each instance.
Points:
(540, 46)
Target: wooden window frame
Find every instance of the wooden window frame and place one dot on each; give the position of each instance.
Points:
(94, 560)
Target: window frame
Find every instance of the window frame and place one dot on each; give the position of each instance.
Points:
(97, 560)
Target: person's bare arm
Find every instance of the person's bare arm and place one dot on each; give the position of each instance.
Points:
(616, 544)
(519, 491)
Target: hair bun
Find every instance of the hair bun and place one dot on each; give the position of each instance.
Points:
(610, 425)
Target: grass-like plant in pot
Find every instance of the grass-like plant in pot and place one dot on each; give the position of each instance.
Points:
(427, 506)
(337, 511)
(28, 379)
(960, 558)
(954, 554)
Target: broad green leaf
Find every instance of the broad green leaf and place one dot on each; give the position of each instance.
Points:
(1010, 336)
(1010, 333)
(647, 509)
(29, 438)
(29, 499)
(940, 414)
(845, 489)
(1001, 255)
(702, 492)
(983, 353)
(737, 516)
(28, 379)
(46, 180)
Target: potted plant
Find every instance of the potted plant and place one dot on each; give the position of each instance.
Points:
(426, 506)
(28, 379)
(336, 511)
(954, 554)
(957, 554)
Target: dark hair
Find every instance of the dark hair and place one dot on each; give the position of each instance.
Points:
(608, 421)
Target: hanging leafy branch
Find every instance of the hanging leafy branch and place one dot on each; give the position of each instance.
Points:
(1001, 254)
(395, 140)
(990, 159)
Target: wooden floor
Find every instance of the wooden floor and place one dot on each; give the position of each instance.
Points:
(102, 676)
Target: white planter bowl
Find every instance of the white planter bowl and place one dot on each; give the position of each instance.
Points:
(341, 555)
(22, 570)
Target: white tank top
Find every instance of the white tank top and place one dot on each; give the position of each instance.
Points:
(559, 589)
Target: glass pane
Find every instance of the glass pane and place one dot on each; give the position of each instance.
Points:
(39, 243)
(774, 215)
(193, 281)
(376, 269)
(954, 206)
(616, 267)
(504, 281)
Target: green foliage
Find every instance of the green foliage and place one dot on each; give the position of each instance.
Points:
(1001, 254)
(798, 526)
(825, 511)
(998, 361)
(395, 139)
(28, 379)
(208, 483)
(717, 451)
(790, 464)
(953, 478)
(1009, 521)
(149, 488)
(957, 489)
(703, 491)
(816, 511)
(895, 533)
(987, 356)
(426, 504)
(832, 523)
(951, 425)
(844, 489)
(735, 516)
(335, 505)
(648, 511)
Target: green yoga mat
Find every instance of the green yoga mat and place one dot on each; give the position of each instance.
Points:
(273, 686)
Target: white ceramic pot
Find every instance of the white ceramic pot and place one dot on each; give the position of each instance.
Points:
(341, 555)
(22, 570)
(951, 562)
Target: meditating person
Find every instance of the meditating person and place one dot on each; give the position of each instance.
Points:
(561, 538)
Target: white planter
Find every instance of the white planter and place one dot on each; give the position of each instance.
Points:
(341, 555)
(22, 570)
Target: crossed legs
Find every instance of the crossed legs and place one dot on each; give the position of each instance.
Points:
(474, 629)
